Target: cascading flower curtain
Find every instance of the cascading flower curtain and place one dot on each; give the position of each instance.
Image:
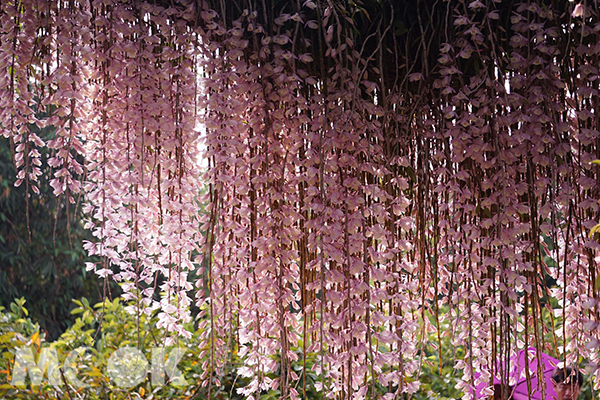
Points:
(376, 171)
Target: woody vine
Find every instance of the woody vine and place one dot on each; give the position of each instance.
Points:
(374, 168)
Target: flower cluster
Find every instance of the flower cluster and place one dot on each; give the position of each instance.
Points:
(369, 179)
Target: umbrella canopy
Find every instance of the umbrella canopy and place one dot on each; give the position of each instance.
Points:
(518, 377)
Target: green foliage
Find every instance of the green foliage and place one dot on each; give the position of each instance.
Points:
(99, 330)
(104, 327)
(16, 330)
(42, 262)
(438, 375)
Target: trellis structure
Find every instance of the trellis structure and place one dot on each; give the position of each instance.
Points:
(374, 167)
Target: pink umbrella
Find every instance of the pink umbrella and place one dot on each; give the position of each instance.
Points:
(518, 378)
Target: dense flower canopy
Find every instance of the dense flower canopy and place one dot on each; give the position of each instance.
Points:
(375, 168)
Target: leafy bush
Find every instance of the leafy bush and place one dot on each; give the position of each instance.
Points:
(104, 329)
(84, 353)
(85, 350)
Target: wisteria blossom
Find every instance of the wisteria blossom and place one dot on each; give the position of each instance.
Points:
(368, 180)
